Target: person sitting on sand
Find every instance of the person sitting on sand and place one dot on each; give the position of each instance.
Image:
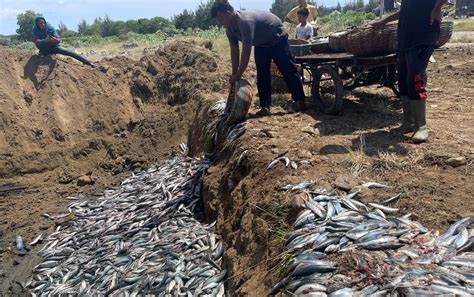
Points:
(47, 40)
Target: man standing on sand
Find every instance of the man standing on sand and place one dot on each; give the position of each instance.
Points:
(47, 40)
(265, 32)
(418, 31)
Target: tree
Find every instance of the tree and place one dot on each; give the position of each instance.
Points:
(324, 10)
(145, 26)
(159, 23)
(338, 7)
(373, 4)
(131, 26)
(280, 8)
(184, 20)
(203, 19)
(120, 28)
(62, 27)
(95, 28)
(25, 22)
(106, 27)
(82, 27)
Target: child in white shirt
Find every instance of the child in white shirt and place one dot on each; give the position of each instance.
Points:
(304, 30)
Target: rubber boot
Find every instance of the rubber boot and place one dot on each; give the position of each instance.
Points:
(418, 108)
(300, 105)
(407, 124)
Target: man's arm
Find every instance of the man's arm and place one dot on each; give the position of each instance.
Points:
(234, 56)
(386, 20)
(244, 60)
(436, 14)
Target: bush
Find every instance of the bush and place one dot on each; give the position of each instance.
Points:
(339, 21)
(5, 41)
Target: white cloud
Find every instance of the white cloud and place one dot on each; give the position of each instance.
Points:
(6, 13)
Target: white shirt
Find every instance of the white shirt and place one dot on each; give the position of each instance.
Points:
(304, 32)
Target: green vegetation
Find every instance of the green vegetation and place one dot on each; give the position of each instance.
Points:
(25, 23)
(145, 40)
(338, 21)
(198, 23)
(464, 26)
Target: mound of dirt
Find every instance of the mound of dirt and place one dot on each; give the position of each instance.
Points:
(53, 108)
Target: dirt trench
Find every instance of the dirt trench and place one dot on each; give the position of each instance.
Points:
(67, 129)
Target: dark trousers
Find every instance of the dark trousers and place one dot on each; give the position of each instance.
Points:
(281, 54)
(65, 52)
(412, 77)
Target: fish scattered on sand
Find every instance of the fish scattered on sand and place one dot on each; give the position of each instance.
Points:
(388, 255)
(143, 237)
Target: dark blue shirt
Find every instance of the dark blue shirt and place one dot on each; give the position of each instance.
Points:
(414, 28)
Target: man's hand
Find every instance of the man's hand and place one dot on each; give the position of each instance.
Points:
(50, 40)
(436, 15)
(234, 78)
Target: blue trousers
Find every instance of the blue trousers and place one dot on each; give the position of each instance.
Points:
(65, 52)
(281, 54)
(412, 66)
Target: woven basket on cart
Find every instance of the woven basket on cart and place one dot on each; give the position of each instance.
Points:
(337, 41)
(368, 41)
(445, 33)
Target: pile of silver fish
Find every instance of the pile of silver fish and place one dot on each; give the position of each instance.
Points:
(216, 127)
(343, 247)
(141, 237)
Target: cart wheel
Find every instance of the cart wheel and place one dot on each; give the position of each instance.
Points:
(396, 90)
(327, 90)
(393, 80)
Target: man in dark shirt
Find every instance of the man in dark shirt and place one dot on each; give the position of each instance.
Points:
(266, 33)
(418, 30)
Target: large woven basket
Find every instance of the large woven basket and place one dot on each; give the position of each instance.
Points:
(445, 33)
(368, 41)
(337, 41)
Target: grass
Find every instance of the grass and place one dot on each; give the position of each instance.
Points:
(286, 259)
(356, 157)
(389, 161)
(464, 26)
(113, 45)
(463, 39)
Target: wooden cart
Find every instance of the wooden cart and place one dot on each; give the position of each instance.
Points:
(331, 74)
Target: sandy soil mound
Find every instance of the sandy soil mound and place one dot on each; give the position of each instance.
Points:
(52, 105)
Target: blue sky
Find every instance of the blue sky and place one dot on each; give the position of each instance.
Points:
(71, 12)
